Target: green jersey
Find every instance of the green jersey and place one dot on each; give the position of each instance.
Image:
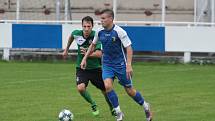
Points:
(92, 63)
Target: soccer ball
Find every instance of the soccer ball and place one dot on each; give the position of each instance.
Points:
(65, 115)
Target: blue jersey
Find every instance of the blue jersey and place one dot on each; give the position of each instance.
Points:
(113, 43)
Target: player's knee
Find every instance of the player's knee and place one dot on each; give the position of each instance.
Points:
(131, 92)
(108, 86)
(81, 88)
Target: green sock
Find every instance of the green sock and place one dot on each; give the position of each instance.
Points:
(88, 98)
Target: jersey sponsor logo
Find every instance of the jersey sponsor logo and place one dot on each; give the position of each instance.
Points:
(107, 35)
(79, 40)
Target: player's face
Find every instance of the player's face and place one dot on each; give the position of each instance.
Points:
(106, 20)
(87, 27)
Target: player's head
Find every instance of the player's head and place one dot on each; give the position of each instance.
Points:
(107, 17)
(87, 25)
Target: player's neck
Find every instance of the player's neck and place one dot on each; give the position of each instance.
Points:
(109, 27)
(86, 36)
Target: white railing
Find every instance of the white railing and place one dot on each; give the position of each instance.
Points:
(160, 23)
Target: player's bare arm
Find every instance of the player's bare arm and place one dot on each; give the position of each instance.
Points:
(129, 69)
(89, 51)
(95, 54)
(65, 52)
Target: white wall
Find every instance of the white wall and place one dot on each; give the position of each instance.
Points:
(190, 39)
(177, 39)
(5, 35)
(66, 32)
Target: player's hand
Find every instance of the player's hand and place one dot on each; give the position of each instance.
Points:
(83, 50)
(83, 63)
(129, 71)
(65, 53)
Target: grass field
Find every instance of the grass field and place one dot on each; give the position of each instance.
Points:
(38, 91)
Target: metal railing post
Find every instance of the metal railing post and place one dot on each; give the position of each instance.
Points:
(17, 10)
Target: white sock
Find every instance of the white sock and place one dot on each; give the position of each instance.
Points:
(117, 109)
(146, 105)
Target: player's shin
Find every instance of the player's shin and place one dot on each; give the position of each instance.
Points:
(138, 98)
(113, 112)
(114, 100)
(87, 97)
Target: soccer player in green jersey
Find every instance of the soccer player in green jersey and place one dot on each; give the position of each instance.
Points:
(93, 71)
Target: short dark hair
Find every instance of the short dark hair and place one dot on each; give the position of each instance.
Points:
(108, 11)
(87, 18)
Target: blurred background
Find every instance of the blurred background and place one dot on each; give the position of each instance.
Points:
(142, 10)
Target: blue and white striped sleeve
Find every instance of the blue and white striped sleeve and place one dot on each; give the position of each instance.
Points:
(124, 37)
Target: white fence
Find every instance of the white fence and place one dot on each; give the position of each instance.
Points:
(187, 37)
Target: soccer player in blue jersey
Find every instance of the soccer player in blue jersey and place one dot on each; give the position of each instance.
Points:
(116, 61)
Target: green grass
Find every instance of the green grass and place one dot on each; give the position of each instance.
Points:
(38, 91)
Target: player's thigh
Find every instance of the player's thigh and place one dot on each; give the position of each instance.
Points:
(82, 77)
(122, 77)
(96, 79)
(108, 77)
(107, 72)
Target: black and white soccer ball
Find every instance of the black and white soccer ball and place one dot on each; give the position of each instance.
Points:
(66, 115)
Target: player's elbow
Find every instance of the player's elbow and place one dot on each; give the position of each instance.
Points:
(98, 53)
(129, 48)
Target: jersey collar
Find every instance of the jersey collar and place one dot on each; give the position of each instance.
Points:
(110, 29)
